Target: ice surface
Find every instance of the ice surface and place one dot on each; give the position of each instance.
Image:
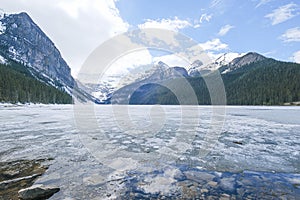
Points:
(260, 139)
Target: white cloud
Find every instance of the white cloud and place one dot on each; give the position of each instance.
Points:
(296, 57)
(215, 3)
(76, 27)
(170, 24)
(291, 35)
(283, 13)
(130, 61)
(224, 30)
(205, 17)
(172, 60)
(262, 2)
(214, 45)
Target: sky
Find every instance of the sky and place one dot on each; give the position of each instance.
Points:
(77, 27)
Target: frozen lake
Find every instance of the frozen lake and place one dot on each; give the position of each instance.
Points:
(106, 152)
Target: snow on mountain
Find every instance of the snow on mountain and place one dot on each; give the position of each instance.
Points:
(241, 61)
(2, 28)
(23, 41)
(218, 60)
(156, 72)
(2, 60)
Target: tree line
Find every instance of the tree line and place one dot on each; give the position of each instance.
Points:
(267, 82)
(18, 85)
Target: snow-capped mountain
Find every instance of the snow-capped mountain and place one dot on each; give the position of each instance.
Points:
(239, 62)
(198, 68)
(158, 72)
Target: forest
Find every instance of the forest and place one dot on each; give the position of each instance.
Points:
(18, 85)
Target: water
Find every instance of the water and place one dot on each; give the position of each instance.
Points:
(159, 152)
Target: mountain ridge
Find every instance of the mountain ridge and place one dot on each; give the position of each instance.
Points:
(252, 80)
(23, 41)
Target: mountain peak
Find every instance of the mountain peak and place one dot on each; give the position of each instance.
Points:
(241, 61)
(23, 41)
(250, 57)
(162, 65)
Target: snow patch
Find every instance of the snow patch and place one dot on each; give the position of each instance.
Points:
(2, 60)
(2, 28)
(14, 25)
(2, 14)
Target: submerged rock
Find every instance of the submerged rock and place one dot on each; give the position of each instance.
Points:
(19, 174)
(37, 192)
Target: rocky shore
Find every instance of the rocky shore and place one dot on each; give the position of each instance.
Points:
(17, 178)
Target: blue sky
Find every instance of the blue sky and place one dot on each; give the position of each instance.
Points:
(249, 25)
(78, 27)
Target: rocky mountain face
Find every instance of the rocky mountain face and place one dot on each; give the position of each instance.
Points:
(160, 72)
(251, 79)
(155, 74)
(163, 72)
(239, 62)
(198, 68)
(23, 41)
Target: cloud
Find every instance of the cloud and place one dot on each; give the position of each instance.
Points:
(224, 30)
(296, 57)
(214, 45)
(291, 35)
(262, 2)
(172, 60)
(170, 24)
(205, 17)
(130, 61)
(283, 13)
(76, 27)
(215, 3)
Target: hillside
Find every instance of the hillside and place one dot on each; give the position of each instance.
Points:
(259, 82)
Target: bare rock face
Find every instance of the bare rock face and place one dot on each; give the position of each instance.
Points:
(37, 192)
(245, 60)
(23, 41)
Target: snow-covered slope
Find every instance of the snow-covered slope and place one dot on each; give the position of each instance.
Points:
(197, 68)
(241, 61)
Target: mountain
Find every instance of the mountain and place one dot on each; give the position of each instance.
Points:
(103, 90)
(22, 42)
(251, 79)
(160, 73)
(239, 62)
(197, 68)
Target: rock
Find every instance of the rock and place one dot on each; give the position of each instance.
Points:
(225, 197)
(227, 184)
(237, 142)
(199, 177)
(37, 192)
(212, 183)
(11, 173)
(204, 190)
(17, 175)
